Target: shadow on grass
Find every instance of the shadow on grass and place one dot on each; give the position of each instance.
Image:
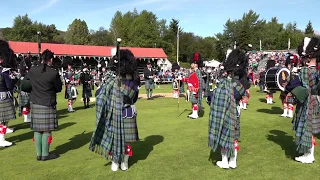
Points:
(20, 126)
(214, 157)
(201, 113)
(29, 135)
(185, 110)
(263, 100)
(142, 149)
(285, 141)
(273, 110)
(75, 142)
(64, 112)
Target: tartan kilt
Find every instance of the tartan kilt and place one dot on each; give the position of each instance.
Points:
(66, 92)
(182, 87)
(304, 126)
(7, 110)
(193, 99)
(130, 129)
(24, 99)
(149, 84)
(237, 129)
(43, 118)
(86, 93)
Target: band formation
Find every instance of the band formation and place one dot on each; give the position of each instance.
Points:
(118, 89)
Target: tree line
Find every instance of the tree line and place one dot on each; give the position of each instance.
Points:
(145, 29)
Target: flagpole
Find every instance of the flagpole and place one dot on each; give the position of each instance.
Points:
(260, 45)
(289, 43)
(178, 46)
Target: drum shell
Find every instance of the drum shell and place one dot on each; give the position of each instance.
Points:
(275, 77)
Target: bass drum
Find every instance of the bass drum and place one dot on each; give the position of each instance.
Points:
(275, 77)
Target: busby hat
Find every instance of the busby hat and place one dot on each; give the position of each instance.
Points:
(196, 59)
(127, 65)
(7, 55)
(309, 47)
(174, 67)
(236, 64)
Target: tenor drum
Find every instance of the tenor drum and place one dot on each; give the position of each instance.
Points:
(275, 77)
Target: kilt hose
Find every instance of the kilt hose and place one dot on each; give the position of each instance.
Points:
(86, 93)
(24, 101)
(130, 129)
(149, 84)
(7, 111)
(43, 118)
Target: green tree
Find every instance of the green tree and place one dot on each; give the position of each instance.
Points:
(77, 33)
(101, 37)
(309, 29)
(24, 29)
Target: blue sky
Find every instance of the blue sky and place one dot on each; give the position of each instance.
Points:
(203, 17)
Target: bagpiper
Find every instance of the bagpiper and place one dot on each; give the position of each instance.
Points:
(24, 99)
(116, 113)
(86, 80)
(195, 85)
(176, 83)
(43, 83)
(70, 89)
(305, 88)
(7, 109)
(224, 121)
(149, 76)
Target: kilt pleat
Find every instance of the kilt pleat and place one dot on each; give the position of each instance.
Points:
(7, 110)
(86, 93)
(149, 84)
(24, 100)
(43, 118)
(130, 129)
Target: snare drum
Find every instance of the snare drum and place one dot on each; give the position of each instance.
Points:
(275, 77)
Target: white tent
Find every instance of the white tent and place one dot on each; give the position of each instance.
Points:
(212, 63)
(164, 64)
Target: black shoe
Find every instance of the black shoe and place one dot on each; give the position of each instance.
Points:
(49, 157)
(39, 158)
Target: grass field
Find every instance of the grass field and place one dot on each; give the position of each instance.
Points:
(171, 147)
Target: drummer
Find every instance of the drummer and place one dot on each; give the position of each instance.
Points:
(286, 98)
(270, 64)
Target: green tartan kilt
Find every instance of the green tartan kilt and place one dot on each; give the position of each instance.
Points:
(182, 87)
(24, 100)
(130, 129)
(300, 125)
(149, 84)
(43, 118)
(237, 129)
(7, 110)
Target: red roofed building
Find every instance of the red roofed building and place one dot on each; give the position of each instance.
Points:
(84, 50)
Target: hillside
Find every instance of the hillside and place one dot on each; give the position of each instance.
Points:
(62, 33)
(1, 34)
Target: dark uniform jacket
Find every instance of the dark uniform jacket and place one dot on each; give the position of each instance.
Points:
(44, 85)
(147, 73)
